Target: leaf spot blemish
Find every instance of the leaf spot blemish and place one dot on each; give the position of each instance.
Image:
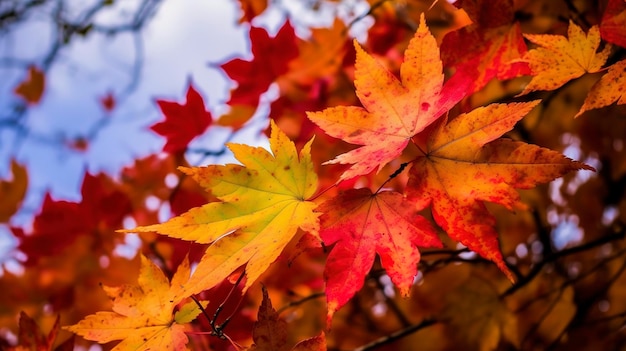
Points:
(355, 133)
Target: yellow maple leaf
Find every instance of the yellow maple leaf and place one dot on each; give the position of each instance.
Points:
(609, 89)
(263, 203)
(558, 59)
(142, 315)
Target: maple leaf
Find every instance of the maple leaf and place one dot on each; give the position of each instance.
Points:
(271, 58)
(56, 226)
(463, 166)
(558, 59)
(60, 223)
(319, 56)
(182, 122)
(270, 61)
(609, 89)
(263, 203)
(12, 192)
(363, 224)
(237, 117)
(107, 102)
(492, 44)
(270, 332)
(393, 111)
(613, 23)
(143, 314)
(31, 89)
(485, 320)
(30, 337)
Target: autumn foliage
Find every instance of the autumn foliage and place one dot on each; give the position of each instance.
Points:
(410, 197)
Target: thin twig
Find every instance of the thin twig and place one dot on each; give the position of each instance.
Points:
(301, 301)
(619, 233)
(387, 339)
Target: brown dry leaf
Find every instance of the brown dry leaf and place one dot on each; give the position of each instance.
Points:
(270, 332)
(479, 318)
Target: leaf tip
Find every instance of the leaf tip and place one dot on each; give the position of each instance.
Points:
(422, 25)
(186, 170)
(332, 307)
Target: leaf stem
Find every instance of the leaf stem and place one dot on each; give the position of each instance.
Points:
(393, 175)
(321, 193)
(218, 329)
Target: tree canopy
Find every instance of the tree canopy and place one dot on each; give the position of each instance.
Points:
(454, 179)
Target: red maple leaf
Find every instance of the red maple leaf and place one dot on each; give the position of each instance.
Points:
(182, 122)
(54, 228)
(60, 222)
(271, 56)
(362, 224)
(489, 45)
(614, 22)
(102, 204)
(107, 102)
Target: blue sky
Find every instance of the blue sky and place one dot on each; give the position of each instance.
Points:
(177, 44)
(186, 39)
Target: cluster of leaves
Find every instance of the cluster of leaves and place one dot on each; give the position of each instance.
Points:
(443, 132)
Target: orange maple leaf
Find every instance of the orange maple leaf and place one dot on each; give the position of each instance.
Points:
(12, 192)
(609, 89)
(251, 8)
(393, 111)
(559, 59)
(363, 224)
(263, 203)
(143, 315)
(463, 166)
(320, 56)
(31, 89)
(270, 332)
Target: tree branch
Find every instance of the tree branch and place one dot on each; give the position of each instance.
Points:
(397, 335)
